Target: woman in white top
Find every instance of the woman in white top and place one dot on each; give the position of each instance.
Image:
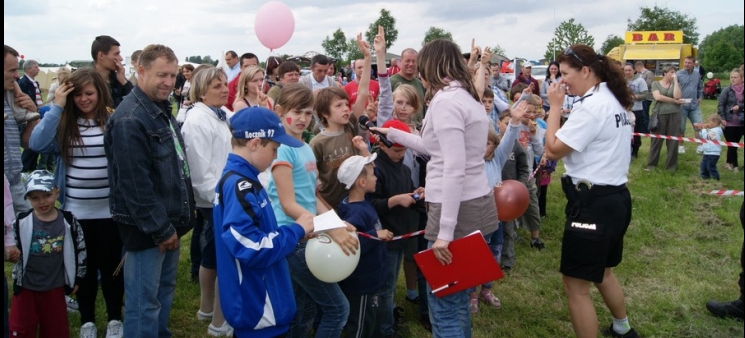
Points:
(595, 144)
(207, 141)
(73, 129)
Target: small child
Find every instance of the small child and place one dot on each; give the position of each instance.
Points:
(52, 262)
(711, 130)
(488, 101)
(363, 286)
(394, 200)
(253, 277)
(495, 156)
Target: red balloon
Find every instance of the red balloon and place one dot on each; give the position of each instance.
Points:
(512, 200)
(22, 57)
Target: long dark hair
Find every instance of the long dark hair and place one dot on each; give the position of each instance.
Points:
(441, 60)
(578, 56)
(68, 131)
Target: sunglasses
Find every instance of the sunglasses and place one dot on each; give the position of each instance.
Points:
(571, 52)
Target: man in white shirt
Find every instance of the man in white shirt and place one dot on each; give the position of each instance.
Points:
(233, 68)
(317, 79)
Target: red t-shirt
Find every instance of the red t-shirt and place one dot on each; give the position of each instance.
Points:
(232, 89)
(351, 89)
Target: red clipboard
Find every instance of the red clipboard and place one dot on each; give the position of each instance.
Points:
(473, 264)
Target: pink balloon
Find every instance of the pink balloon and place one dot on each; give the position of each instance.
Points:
(274, 24)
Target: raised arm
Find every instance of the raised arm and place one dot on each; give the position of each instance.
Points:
(363, 89)
(385, 100)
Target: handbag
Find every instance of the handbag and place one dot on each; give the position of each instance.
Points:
(654, 120)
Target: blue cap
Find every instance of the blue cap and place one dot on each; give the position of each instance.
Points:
(253, 122)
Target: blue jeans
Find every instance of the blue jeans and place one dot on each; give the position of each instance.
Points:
(149, 286)
(691, 112)
(708, 167)
(449, 315)
(328, 297)
(388, 292)
(495, 241)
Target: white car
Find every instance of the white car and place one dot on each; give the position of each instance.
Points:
(539, 72)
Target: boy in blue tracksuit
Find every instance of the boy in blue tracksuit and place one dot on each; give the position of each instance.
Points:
(253, 277)
(363, 286)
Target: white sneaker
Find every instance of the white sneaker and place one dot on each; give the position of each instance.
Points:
(223, 331)
(204, 315)
(88, 330)
(72, 304)
(114, 329)
(681, 150)
(700, 150)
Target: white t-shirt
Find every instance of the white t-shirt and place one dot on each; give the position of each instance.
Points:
(600, 134)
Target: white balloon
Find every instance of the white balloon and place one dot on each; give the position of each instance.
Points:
(327, 261)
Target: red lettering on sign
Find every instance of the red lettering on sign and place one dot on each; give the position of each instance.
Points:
(653, 37)
(637, 37)
(669, 37)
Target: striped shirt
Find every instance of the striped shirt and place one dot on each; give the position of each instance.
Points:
(12, 146)
(87, 179)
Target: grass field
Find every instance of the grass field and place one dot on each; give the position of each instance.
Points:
(682, 249)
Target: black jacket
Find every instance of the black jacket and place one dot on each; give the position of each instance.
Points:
(118, 90)
(27, 87)
(516, 167)
(393, 179)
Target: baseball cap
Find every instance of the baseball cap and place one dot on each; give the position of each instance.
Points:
(253, 122)
(527, 64)
(396, 124)
(40, 180)
(352, 167)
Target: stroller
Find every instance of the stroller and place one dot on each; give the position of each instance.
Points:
(712, 88)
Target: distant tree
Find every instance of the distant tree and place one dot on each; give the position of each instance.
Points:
(336, 46)
(208, 60)
(434, 33)
(498, 50)
(714, 53)
(566, 34)
(664, 19)
(389, 25)
(611, 42)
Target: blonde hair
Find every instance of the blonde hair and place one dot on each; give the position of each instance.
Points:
(738, 71)
(409, 93)
(246, 75)
(62, 75)
(716, 119)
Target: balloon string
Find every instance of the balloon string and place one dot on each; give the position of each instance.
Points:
(411, 234)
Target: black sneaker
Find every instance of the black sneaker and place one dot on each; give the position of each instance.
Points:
(398, 316)
(726, 309)
(536, 243)
(609, 332)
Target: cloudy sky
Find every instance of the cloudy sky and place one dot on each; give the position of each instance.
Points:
(53, 31)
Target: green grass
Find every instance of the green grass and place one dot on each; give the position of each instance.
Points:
(682, 249)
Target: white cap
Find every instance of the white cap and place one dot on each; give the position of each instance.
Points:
(352, 167)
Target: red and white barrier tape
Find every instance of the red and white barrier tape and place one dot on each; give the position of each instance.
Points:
(727, 192)
(395, 238)
(690, 139)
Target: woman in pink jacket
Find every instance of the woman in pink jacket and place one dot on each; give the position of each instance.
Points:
(459, 199)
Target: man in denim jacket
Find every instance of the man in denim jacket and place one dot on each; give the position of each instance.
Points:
(150, 195)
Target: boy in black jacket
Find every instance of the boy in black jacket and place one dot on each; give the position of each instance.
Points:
(393, 200)
(516, 168)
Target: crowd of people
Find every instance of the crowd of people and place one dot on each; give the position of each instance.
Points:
(254, 153)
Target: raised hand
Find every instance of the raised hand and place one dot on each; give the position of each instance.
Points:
(486, 56)
(518, 112)
(60, 94)
(363, 46)
(556, 94)
(379, 41)
(263, 99)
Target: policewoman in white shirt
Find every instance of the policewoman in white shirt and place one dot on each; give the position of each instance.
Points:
(595, 143)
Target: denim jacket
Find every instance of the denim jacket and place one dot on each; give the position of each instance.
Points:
(150, 196)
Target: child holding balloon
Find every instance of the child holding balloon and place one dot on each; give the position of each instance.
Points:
(251, 249)
(363, 286)
(293, 185)
(495, 156)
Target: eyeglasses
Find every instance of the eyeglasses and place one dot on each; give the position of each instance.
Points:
(571, 52)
